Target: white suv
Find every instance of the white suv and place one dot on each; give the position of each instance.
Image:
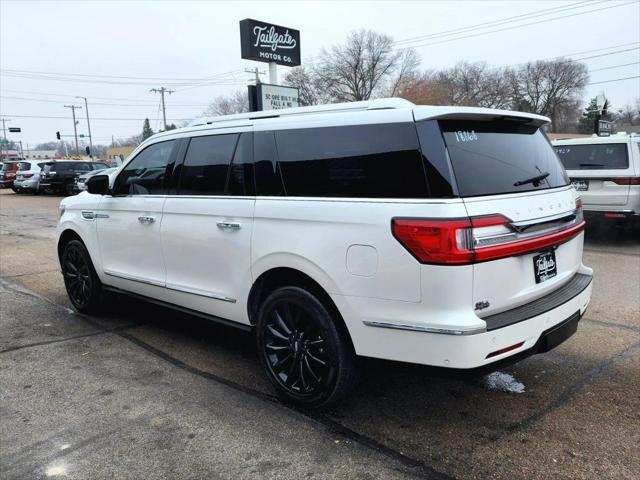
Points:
(28, 176)
(605, 171)
(443, 236)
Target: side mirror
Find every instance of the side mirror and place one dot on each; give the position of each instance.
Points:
(98, 184)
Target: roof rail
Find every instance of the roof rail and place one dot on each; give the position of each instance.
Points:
(377, 104)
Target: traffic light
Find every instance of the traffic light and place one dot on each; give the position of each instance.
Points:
(58, 135)
(88, 150)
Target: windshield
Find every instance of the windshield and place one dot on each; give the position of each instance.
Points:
(593, 156)
(500, 156)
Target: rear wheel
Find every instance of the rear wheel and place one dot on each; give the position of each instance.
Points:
(306, 357)
(80, 278)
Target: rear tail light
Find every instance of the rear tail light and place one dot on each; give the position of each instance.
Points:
(27, 175)
(477, 239)
(505, 350)
(626, 180)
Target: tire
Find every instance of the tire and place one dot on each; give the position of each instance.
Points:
(80, 279)
(309, 361)
(15, 190)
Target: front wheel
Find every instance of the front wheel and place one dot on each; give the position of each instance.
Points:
(306, 357)
(80, 278)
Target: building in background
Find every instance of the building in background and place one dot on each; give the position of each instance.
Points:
(122, 152)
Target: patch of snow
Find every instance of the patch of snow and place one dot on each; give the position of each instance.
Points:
(503, 382)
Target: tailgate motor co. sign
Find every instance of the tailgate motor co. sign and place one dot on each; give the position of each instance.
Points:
(265, 42)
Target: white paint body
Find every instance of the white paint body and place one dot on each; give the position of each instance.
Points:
(345, 245)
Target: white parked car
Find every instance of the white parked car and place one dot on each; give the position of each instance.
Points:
(28, 176)
(443, 236)
(605, 171)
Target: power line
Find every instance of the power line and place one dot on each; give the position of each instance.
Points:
(96, 118)
(614, 66)
(151, 102)
(614, 80)
(493, 23)
(200, 105)
(67, 74)
(518, 26)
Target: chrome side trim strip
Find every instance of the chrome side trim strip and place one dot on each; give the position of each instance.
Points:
(417, 328)
(133, 278)
(202, 293)
(88, 215)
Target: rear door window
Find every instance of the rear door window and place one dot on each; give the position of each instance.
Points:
(370, 161)
(601, 156)
(496, 157)
(206, 165)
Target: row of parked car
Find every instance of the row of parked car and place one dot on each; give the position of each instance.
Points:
(62, 177)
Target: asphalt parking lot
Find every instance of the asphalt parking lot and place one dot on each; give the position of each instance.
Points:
(149, 393)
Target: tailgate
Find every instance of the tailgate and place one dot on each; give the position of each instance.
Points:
(594, 169)
(506, 283)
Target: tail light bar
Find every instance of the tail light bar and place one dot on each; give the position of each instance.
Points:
(626, 180)
(463, 241)
(27, 175)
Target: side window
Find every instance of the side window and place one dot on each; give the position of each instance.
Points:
(267, 174)
(206, 165)
(381, 160)
(145, 174)
(241, 172)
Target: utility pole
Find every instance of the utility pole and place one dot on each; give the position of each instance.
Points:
(4, 132)
(256, 72)
(75, 127)
(86, 109)
(162, 91)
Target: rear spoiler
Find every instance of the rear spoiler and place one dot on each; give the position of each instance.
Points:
(474, 113)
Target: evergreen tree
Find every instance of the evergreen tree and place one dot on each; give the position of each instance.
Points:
(586, 123)
(146, 129)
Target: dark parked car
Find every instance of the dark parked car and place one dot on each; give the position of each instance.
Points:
(59, 177)
(8, 174)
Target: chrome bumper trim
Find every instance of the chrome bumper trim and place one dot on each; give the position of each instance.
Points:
(417, 328)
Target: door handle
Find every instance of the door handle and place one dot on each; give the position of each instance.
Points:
(228, 225)
(146, 219)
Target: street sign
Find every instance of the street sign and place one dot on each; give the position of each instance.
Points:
(14, 129)
(266, 42)
(265, 96)
(603, 128)
(81, 135)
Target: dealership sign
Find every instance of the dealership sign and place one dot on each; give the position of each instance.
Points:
(265, 42)
(264, 96)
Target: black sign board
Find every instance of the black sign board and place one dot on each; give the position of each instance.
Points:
(265, 96)
(603, 128)
(14, 129)
(265, 42)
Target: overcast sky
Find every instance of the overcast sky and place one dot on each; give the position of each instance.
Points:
(150, 44)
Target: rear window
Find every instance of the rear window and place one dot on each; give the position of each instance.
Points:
(593, 156)
(496, 157)
(372, 161)
(24, 166)
(8, 167)
(67, 166)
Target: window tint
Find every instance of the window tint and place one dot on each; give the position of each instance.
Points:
(206, 165)
(493, 157)
(436, 162)
(24, 166)
(241, 172)
(146, 173)
(352, 161)
(267, 174)
(594, 156)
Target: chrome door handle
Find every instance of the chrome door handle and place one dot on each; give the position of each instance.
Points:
(228, 225)
(146, 219)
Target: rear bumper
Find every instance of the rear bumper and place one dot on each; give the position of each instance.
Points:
(26, 184)
(6, 183)
(533, 334)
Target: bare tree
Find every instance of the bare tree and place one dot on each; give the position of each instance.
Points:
(548, 87)
(304, 79)
(236, 102)
(628, 115)
(360, 68)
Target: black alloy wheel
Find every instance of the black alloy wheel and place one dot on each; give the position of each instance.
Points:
(306, 357)
(80, 279)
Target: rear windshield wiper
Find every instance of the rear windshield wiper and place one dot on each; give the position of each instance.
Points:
(592, 165)
(535, 180)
